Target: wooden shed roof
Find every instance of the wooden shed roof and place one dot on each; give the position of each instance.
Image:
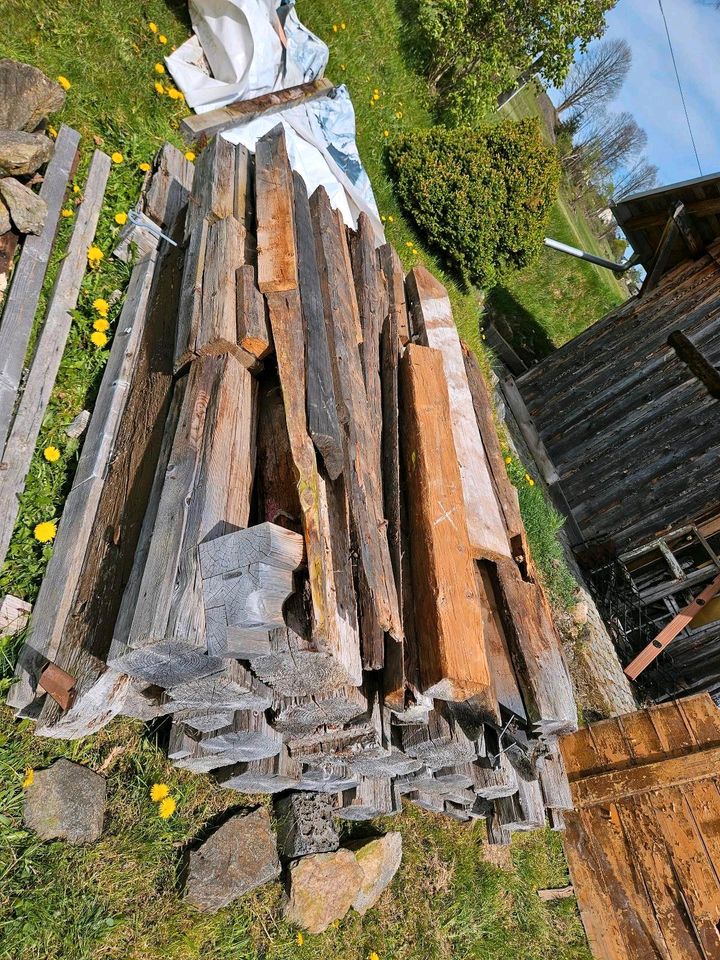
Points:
(643, 216)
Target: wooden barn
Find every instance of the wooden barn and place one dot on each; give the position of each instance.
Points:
(628, 420)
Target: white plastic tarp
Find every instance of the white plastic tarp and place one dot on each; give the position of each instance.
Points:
(245, 48)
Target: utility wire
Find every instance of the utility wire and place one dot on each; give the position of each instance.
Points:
(682, 94)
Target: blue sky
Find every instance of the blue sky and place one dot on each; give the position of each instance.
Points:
(650, 92)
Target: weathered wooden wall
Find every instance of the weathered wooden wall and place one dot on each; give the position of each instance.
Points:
(633, 433)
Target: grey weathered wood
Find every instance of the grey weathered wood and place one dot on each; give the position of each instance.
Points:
(433, 320)
(234, 689)
(202, 125)
(14, 614)
(395, 281)
(223, 257)
(168, 663)
(27, 422)
(190, 307)
(57, 594)
(439, 743)
(359, 433)
(28, 276)
(213, 188)
(253, 329)
(322, 414)
(372, 797)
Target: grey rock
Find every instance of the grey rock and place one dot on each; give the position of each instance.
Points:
(27, 96)
(4, 218)
(66, 801)
(27, 209)
(379, 859)
(322, 889)
(23, 153)
(79, 425)
(305, 824)
(238, 857)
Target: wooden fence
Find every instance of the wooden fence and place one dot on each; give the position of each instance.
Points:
(643, 841)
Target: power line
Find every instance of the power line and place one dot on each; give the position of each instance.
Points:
(682, 94)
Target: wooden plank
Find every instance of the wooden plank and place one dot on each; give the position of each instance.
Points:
(671, 631)
(433, 320)
(58, 591)
(253, 330)
(201, 126)
(505, 682)
(277, 260)
(223, 257)
(321, 407)
(213, 189)
(359, 433)
(670, 772)
(27, 279)
(189, 317)
(14, 614)
(689, 231)
(702, 717)
(395, 283)
(330, 633)
(528, 429)
(169, 188)
(28, 418)
(661, 260)
(452, 657)
(700, 208)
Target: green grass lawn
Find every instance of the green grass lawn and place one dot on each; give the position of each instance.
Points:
(118, 899)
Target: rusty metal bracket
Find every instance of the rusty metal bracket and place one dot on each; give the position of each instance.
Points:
(59, 685)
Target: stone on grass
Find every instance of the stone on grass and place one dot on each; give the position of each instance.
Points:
(238, 857)
(67, 802)
(27, 96)
(379, 859)
(27, 209)
(23, 153)
(78, 426)
(4, 218)
(323, 887)
(305, 824)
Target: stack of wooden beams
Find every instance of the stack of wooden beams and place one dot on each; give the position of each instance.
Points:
(307, 552)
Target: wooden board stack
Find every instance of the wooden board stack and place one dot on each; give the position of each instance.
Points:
(307, 551)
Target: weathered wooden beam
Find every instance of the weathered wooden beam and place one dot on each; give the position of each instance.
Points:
(277, 258)
(433, 320)
(27, 279)
(213, 190)
(359, 433)
(322, 414)
(28, 418)
(395, 283)
(253, 330)
(202, 126)
(451, 648)
(689, 231)
(661, 260)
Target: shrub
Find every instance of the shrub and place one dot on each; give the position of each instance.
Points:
(480, 196)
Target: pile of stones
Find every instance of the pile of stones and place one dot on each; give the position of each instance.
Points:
(27, 97)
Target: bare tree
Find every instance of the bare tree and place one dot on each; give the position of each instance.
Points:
(642, 175)
(609, 142)
(597, 76)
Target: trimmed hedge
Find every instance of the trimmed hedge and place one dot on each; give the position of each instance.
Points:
(482, 196)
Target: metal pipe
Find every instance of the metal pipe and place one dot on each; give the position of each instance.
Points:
(590, 257)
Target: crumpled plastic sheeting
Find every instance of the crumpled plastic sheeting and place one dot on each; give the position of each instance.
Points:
(237, 53)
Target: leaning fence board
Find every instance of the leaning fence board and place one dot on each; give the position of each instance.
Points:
(28, 276)
(452, 658)
(204, 125)
(58, 591)
(26, 426)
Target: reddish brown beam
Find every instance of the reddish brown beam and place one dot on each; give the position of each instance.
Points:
(669, 632)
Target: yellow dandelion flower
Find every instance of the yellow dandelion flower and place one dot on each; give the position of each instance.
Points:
(121, 218)
(342, 66)
(530, 480)
(51, 454)
(159, 88)
(173, 93)
(101, 324)
(53, 132)
(408, 243)
(159, 68)
(391, 219)
(76, 188)
(162, 38)
(158, 792)
(342, 26)
(386, 133)
(66, 212)
(334, 28)
(64, 82)
(181, 96)
(376, 96)
(98, 338)
(144, 167)
(102, 306)
(152, 27)
(95, 255)
(414, 252)
(29, 778)
(45, 532)
(508, 459)
(399, 114)
(166, 808)
(383, 219)
(376, 90)
(300, 939)
(116, 157)
(189, 155)
(373, 956)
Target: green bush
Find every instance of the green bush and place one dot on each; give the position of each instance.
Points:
(480, 196)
